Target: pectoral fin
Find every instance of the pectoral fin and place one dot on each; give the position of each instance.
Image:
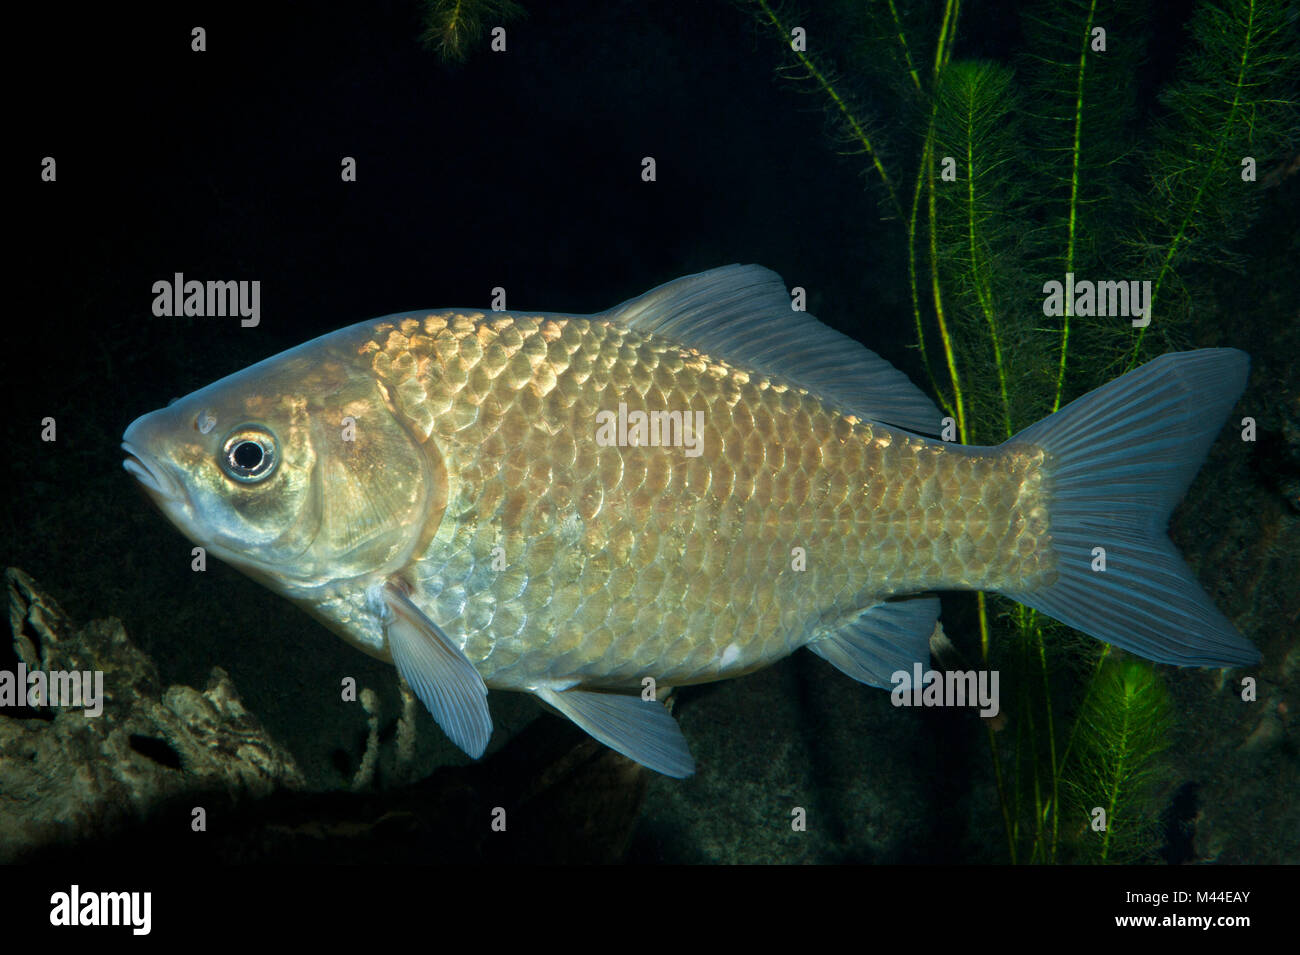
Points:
(642, 731)
(439, 673)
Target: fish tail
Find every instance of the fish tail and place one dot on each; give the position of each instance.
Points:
(1120, 459)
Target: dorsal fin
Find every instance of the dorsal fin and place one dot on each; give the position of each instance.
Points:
(742, 314)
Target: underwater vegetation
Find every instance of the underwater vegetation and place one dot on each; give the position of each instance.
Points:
(999, 174)
(453, 27)
(1121, 728)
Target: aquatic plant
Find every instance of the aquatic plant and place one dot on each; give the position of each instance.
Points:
(452, 27)
(1114, 767)
(1014, 174)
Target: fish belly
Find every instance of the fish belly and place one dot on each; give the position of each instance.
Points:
(571, 555)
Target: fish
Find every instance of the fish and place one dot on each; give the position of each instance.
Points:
(688, 487)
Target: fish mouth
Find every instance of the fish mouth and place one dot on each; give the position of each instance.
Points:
(147, 471)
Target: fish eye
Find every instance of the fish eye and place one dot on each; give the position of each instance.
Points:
(248, 454)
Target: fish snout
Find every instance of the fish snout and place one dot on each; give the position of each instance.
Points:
(143, 466)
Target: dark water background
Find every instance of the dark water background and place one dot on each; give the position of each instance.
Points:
(523, 171)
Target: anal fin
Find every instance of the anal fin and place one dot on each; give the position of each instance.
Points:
(881, 640)
(643, 731)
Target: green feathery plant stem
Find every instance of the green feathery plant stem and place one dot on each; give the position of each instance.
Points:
(942, 55)
(902, 42)
(1085, 41)
(1221, 110)
(822, 79)
(925, 180)
(453, 27)
(1125, 724)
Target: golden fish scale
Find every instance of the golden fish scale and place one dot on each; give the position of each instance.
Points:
(627, 562)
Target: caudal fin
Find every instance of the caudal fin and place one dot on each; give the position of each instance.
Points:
(1121, 458)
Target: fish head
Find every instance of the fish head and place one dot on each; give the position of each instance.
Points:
(295, 470)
